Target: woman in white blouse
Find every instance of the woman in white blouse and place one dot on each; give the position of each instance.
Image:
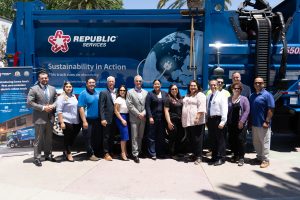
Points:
(193, 119)
(121, 112)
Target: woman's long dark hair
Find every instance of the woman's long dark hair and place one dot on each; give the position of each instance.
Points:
(198, 86)
(118, 91)
(178, 96)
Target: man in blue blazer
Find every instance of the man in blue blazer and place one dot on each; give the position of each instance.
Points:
(41, 98)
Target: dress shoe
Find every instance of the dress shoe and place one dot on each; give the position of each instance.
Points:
(93, 158)
(219, 162)
(136, 159)
(153, 157)
(107, 157)
(37, 162)
(264, 164)
(234, 159)
(208, 153)
(50, 158)
(198, 161)
(124, 157)
(69, 157)
(241, 162)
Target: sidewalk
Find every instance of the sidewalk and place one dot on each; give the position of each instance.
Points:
(150, 180)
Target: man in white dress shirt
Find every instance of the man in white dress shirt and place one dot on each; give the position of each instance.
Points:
(217, 109)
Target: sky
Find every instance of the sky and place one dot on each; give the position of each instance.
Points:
(151, 4)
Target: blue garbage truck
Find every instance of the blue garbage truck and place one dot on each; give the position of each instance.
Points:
(173, 45)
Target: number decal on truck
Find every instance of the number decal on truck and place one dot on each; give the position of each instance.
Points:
(291, 50)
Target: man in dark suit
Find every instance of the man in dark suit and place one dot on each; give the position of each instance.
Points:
(41, 98)
(106, 112)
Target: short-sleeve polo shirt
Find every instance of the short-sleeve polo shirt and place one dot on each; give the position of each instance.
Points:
(259, 105)
(89, 102)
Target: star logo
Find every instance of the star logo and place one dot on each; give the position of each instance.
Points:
(59, 41)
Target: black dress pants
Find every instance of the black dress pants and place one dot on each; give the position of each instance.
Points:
(70, 133)
(237, 139)
(217, 138)
(195, 135)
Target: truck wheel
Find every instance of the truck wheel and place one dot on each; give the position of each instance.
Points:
(12, 145)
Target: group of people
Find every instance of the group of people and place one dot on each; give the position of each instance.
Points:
(174, 125)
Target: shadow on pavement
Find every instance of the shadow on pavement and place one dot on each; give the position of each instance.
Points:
(280, 188)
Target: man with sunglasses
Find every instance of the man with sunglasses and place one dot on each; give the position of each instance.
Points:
(220, 87)
(262, 105)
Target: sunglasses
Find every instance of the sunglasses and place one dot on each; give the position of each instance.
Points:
(138, 81)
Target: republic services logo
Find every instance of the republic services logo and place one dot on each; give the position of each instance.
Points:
(59, 41)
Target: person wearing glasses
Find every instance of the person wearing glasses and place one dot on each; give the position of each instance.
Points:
(193, 119)
(155, 114)
(121, 112)
(220, 86)
(88, 109)
(68, 118)
(173, 111)
(238, 111)
(135, 101)
(217, 110)
(262, 106)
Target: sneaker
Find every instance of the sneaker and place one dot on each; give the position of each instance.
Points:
(108, 157)
(264, 164)
(94, 158)
(198, 161)
(241, 162)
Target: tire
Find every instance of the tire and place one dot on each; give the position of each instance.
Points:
(12, 145)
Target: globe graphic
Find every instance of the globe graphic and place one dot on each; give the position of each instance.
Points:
(169, 59)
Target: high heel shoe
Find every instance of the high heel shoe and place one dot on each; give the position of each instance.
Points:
(68, 157)
(124, 157)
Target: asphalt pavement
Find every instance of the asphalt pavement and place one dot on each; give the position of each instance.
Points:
(163, 179)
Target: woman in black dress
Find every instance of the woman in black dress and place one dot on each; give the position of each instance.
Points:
(173, 110)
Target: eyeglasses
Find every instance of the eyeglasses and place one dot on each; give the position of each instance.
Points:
(236, 88)
(258, 83)
(174, 89)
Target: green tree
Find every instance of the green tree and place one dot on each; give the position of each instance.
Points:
(6, 6)
(94, 4)
(180, 3)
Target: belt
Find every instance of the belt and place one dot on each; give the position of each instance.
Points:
(214, 116)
